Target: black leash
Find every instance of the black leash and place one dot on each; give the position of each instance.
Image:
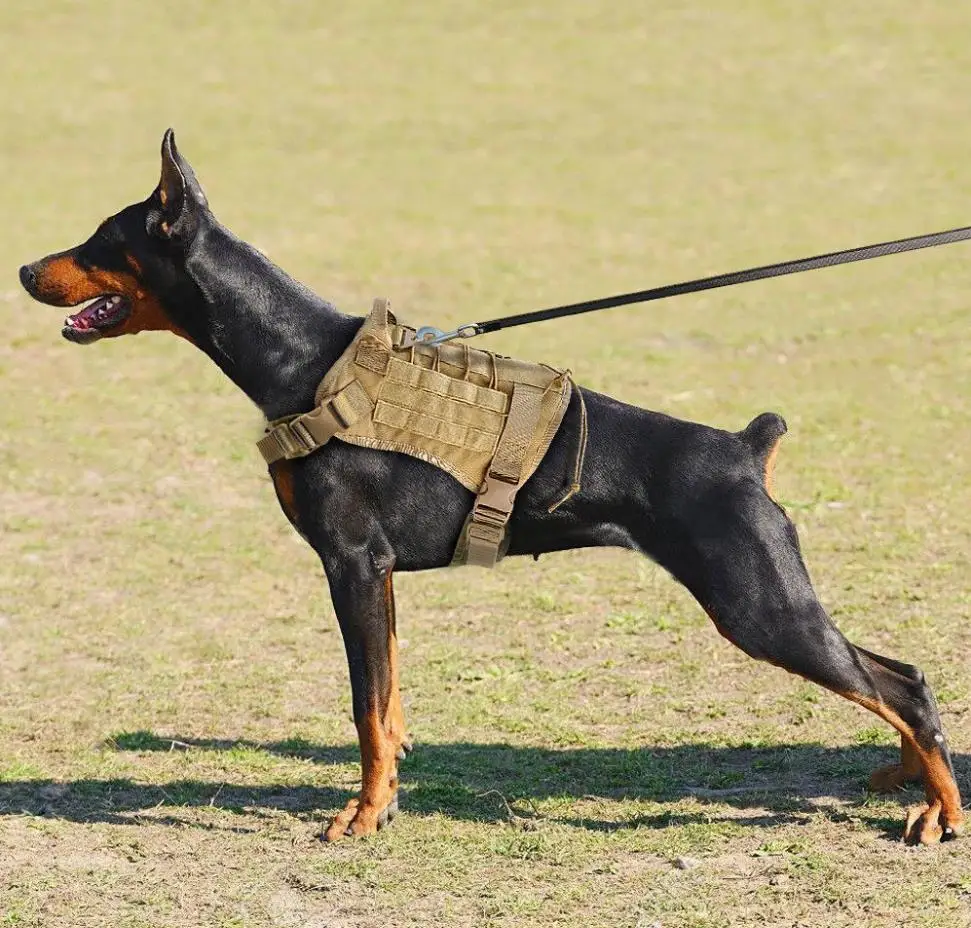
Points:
(431, 336)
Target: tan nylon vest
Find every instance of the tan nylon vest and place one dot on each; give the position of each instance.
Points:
(485, 419)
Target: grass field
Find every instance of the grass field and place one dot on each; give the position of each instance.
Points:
(174, 710)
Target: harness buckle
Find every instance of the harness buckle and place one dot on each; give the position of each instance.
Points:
(302, 435)
(495, 501)
(319, 425)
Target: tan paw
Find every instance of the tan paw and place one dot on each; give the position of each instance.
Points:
(892, 778)
(357, 821)
(924, 824)
(928, 823)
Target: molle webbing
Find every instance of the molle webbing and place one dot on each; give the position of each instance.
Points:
(485, 419)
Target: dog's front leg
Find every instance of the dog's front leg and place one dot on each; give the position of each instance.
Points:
(363, 597)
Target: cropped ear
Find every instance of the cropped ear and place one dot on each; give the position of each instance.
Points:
(180, 195)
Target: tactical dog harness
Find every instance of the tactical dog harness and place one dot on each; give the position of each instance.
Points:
(485, 419)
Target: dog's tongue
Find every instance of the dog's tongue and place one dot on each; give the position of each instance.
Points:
(91, 315)
(95, 314)
(103, 314)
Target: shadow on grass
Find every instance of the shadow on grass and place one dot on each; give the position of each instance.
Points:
(495, 782)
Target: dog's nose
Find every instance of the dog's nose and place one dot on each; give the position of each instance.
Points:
(28, 277)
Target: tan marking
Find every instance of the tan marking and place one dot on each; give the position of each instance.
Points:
(938, 781)
(395, 719)
(923, 824)
(895, 777)
(380, 740)
(343, 818)
(769, 475)
(281, 472)
(379, 781)
(63, 282)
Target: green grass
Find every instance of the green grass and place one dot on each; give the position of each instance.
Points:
(174, 715)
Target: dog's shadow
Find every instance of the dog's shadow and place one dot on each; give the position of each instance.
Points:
(498, 782)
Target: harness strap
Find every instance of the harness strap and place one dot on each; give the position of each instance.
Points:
(497, 495)
(298, 436)
(576, 486)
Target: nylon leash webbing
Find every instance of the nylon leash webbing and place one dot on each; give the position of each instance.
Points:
(432, 336)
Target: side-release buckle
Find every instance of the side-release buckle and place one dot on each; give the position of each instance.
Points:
(318, 426)
(495, 501)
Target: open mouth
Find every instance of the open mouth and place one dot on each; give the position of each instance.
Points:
(104, 313)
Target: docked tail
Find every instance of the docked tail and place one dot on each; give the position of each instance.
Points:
(762, 435)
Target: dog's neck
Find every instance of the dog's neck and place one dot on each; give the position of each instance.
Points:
(273, 337)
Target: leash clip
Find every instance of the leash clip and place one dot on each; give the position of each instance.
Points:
(429, 335)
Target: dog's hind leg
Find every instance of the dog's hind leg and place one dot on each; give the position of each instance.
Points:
(742, 562)
(363, 596)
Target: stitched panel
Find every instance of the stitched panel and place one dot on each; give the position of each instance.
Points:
(442, 407)
(372, 355)
(402, 372)
(441, 384)
(449, 433)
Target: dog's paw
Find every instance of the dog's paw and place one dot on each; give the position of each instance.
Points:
(929, 824)
(358, 820)
(892, 778)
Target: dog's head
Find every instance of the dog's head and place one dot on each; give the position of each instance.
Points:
(132, 271)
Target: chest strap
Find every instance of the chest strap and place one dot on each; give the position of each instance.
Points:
(298, 436)
(486, 527)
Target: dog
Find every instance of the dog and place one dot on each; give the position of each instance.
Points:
(695, 499)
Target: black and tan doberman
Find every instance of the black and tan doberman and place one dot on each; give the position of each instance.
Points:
(693, 498)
